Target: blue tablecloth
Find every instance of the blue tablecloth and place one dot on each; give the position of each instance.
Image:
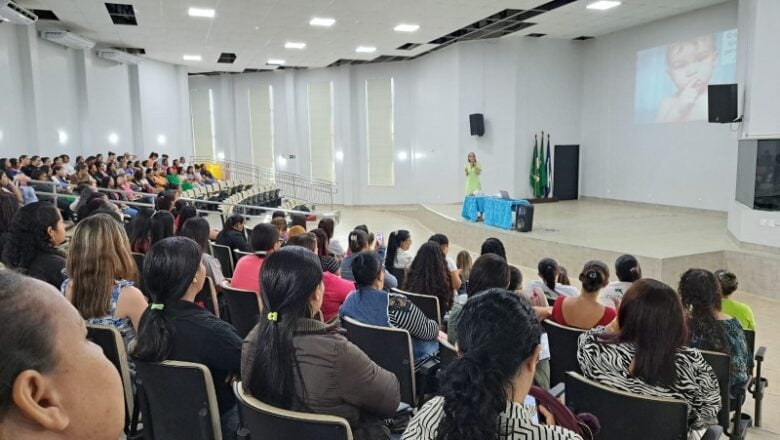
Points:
(495, 210)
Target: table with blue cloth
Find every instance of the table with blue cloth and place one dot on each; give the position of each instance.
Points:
(496, 211)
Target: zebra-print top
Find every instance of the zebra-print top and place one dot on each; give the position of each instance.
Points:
(515, 423)
(696, 384)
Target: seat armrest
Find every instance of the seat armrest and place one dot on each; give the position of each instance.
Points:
(760, 354)
(558, 390)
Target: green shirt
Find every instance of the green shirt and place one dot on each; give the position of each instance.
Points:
(741, 311)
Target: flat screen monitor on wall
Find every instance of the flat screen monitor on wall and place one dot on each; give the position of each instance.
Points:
(671, 80)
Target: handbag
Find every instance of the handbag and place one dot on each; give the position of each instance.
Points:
(584, 424)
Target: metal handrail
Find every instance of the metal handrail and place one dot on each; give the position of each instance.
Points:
(295, 186)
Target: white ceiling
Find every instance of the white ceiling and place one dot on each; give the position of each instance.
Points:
(256, 30)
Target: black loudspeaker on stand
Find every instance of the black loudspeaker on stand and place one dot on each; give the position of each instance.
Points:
(524, 218)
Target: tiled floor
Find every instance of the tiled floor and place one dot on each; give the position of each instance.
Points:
(698, 231)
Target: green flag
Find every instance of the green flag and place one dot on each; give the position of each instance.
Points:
(542, 171)
(534, 174)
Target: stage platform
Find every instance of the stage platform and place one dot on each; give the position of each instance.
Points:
(666, 240)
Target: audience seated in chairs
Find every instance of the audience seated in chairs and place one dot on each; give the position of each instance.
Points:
(294, 361)
(232, 234)
(370, 305)
(628, 271)
(101, 273)
(741, 311)
(265, 240)
(30, 244)
(643, 351)
(584, 311)
(336, 288)
(429, 275)
(358, 241)
(483, 391)
(197, 229)
(174, 328)
(710, 329)
(53, 376)
(543, 292)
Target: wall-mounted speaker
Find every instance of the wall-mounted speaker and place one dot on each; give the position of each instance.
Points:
(722, 103)
(477, 122)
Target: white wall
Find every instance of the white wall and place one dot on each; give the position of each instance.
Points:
(691, 164)
(433, 98)
(47, 88)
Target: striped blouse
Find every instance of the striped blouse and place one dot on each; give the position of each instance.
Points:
(696, 384)
(515, 423)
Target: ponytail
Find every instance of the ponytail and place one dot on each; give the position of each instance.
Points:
(548, 270)
(169, 268)
(393, 243)
(474, 396)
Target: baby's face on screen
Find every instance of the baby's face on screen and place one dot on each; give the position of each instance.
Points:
(691, 63)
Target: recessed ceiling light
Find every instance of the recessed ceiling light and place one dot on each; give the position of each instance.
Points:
(294, 45)
(275, 62)
(403, 27)
(192, 58)
(603, 5)
(365, 49)
(201, 12)
(320, 21)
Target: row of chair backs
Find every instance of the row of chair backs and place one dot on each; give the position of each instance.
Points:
(428, 304)
(262, 421)
(563, 342)
(390, 348)
(110, 340)
(244, 307)
(626, 415)
(177, 401)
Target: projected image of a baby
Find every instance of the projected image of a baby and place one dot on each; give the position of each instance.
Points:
(690, 65)
(671, 80)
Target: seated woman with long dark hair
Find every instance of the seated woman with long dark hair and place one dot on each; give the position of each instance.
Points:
(428, 275)
(483, 390)
(175, 328)
(644, 352)
(711, 329)
(30, 244)
(294, 361)
(371, 305)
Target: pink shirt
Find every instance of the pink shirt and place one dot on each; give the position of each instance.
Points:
(246, 275)
(336, 291)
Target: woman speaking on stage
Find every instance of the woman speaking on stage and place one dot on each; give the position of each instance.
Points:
(473, 169)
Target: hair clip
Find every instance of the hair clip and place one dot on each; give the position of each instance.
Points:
(155, 306)
(273, 316)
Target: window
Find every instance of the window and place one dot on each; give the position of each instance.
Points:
(321, 131)
(380, 131)
(261, 126)
(202, 110)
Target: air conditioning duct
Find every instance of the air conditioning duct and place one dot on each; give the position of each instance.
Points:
(68, 39)
(13, 13)
(118, 56)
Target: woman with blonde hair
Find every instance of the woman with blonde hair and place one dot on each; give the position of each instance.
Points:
(101, 272)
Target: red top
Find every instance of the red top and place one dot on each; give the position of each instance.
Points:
(557, 314)
(246, 275)
(336, 291)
